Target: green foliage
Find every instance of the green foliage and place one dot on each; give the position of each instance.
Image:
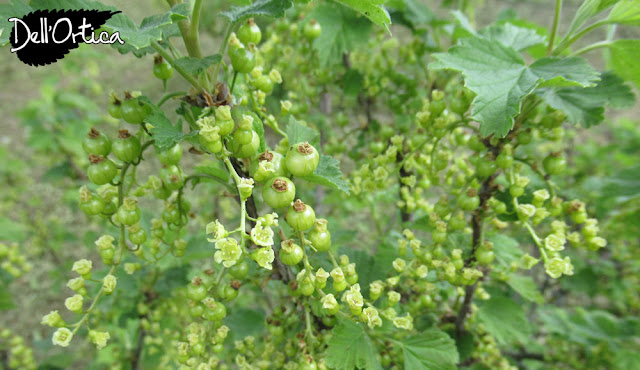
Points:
(433, 349)
(266, 8)
(328, 174)
(350, 347)
(501, 79)
(342, 31)
(505, 320)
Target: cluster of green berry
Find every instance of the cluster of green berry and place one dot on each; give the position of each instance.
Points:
(12, 261)
(16, 354)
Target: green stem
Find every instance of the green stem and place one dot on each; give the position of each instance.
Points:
(193, 44)
(597, 45)
(171, 61)
(307, 317)
(568, 42)
(168, 96)
(233, 83)
(554, 28)
(223, 49)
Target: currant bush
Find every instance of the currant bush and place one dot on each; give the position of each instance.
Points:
(323, 194)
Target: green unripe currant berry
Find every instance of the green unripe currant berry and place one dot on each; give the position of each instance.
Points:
(127, 147)
(93, 206)
(246, 150)
(279, 192)
(133, 110)
(554, 164)
(138, 236)
(290, 253)
(171, 215)
(239, 270)
(196, 291)
(115, 107)
(312, 30)
(485, 167)
(302, 159)
(319, 236)
(162, 192)
(97, 143)
(217, 313)
(172, 177)
(264, 84)
(437, 104)
(162, 69)
(524, 137)
(476, 144)
(196, 310)
(170, 156)
(268, 165)
(306, 288)
(469, 201)
(212, 146)
(242, 60)
(300, 216)
(249, 32)
(243, 137)
(102, 170)
(129, 213)
(484, 255)
(516, 191)
(504, 160)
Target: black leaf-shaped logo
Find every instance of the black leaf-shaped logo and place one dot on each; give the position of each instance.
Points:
(45, 36)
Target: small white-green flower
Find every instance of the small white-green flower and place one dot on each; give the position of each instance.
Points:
(354, 299)
(329, 302)
(62, 337)
(556, 267)
(105, 242)
(109, 284)
(597, 242)
(74, 303)
(82, 267)
(394, 297)
(285, 106)
(541, 195)
(527, 261)
(422, 271)
(245, 188)
(76, 284)
(337, 274)
(205, 122)
(223, 112)
(222, 331)
(405, 322)
(375, 289)
(228, 253)
(210, 133)
(264, 257)
(262, 236)
(131, 268)
(322, 275)
(390, 313)
(526, 211)
(553, 243)
(372, 317)
(399, 264)
(393, 281)
(53, 319)
(275, 76)
(217, 231)
(99, 338)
